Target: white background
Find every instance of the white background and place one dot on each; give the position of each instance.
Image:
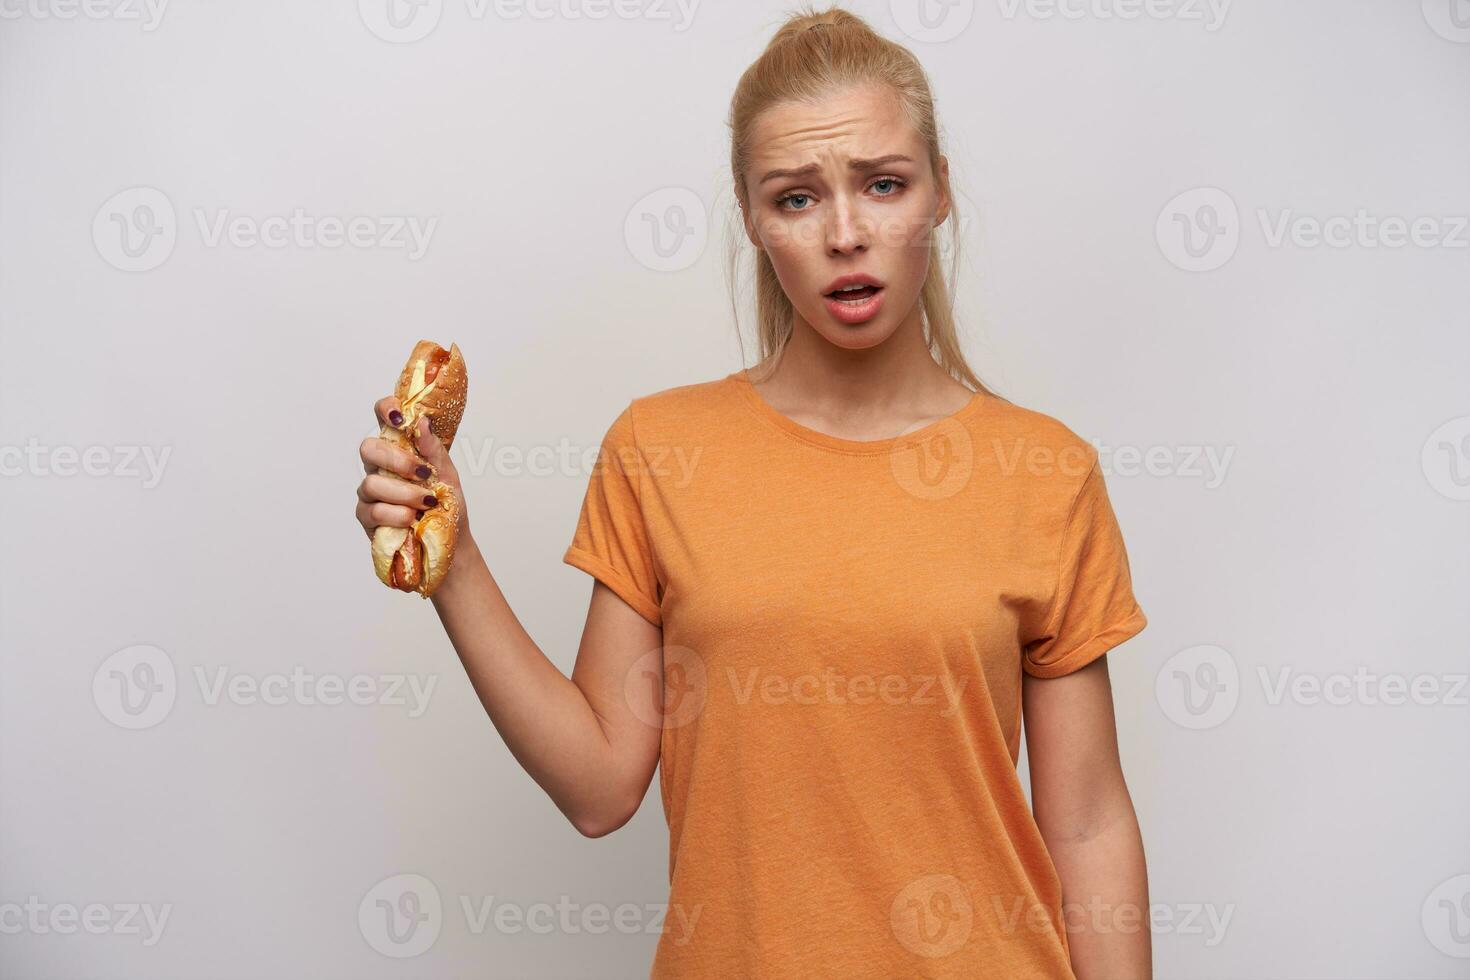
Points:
(1333, 545)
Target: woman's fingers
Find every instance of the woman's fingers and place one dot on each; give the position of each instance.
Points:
(379, 452)
(390, 490)
(432, 449)
(374, 513)
(388, 411)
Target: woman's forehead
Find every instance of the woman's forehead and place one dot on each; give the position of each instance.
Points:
(849, 124)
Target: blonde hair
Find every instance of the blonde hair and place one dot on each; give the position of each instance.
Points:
(812, 54)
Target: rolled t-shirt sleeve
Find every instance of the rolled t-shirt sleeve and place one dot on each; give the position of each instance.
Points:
(1093, 608)
(611, 539)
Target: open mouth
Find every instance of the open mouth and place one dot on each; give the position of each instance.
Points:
(855, 294)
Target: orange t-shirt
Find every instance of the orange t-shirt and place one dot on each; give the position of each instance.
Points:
(845, 627)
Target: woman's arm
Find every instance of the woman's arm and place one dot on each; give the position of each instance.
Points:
(590, 741)
(1086, 817)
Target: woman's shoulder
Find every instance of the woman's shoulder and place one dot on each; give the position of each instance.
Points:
(1025, 440)
(681, 408)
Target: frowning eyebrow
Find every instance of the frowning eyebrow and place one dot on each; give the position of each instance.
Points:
(812, 168)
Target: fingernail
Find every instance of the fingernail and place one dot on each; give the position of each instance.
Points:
(396, 417)
(429, 500)
(423, 472)
(421, 515)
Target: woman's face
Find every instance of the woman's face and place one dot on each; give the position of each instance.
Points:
(863, 203)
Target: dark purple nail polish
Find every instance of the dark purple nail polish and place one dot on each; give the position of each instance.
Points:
(429, 500)
(423, 472)
(421, 515)
(396, 417)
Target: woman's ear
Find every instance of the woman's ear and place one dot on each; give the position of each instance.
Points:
(942, 211)
(750, 231)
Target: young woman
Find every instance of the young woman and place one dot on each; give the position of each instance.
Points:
(827, 588)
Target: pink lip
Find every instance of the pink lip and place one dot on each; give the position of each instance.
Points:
(852, 312)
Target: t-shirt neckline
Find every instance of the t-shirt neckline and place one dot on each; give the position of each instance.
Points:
(741, 380)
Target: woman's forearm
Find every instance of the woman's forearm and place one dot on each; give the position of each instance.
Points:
(542, 715)
(1105, 898)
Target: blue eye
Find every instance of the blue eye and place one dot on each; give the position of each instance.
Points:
(897, 182)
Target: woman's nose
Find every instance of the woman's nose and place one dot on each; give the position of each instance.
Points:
(847, 228)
